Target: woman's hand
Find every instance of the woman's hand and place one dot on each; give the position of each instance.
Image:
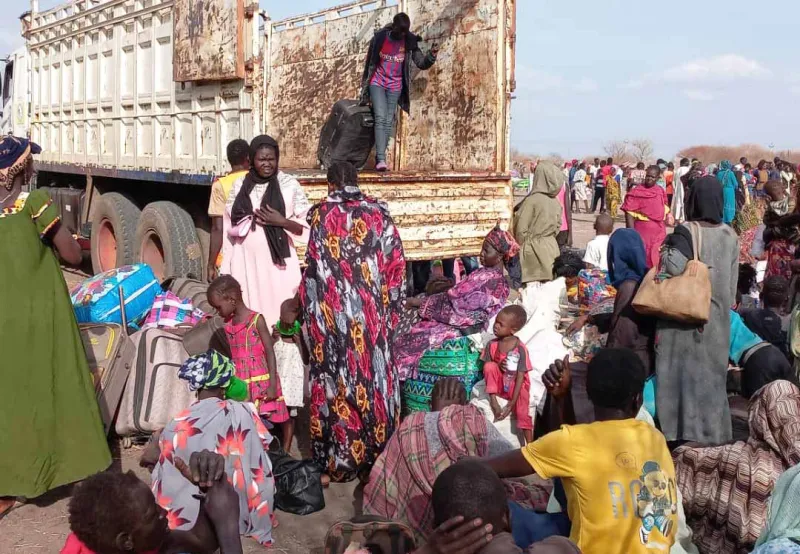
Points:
(413, 303)
(269, 216)
(455, 536)
(578, 324)
(504, 413)
(558, 378)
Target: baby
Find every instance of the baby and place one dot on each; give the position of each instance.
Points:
(506, 366)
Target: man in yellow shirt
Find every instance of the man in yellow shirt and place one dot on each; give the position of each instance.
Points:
(617, 472)
(239, 158)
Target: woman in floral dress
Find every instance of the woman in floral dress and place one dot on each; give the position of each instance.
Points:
(464, 309)
(227, 427)
(352, 291)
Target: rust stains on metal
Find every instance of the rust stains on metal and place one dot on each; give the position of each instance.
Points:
(208, 43)
(441, 214)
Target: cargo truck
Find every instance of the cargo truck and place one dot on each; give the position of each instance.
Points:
(134, 102)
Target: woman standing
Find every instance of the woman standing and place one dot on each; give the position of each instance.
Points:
(538, 221)
(613, 194)
(352, 291)
(264, 218)
(691, 401)
(730, 184)
(50, 428)
(646, 211)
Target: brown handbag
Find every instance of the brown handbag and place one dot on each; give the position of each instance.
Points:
(685, 298)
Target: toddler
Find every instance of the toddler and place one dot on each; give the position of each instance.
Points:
(252, 350)
(291, 354)
(506, 366)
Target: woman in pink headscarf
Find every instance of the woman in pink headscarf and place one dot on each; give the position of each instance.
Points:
(646, 211)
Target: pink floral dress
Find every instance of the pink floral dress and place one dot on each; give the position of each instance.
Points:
(249, 355)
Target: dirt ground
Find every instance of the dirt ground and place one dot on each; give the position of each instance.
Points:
(40, 527)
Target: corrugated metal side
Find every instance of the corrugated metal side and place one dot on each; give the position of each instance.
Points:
(459, 116)
(103, 92)
(439, 215)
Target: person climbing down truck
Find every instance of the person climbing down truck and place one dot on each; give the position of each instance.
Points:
(387, 76)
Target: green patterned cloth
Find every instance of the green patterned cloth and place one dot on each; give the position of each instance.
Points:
(456, 358)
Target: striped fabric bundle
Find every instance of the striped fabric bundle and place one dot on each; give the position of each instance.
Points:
(726, 488)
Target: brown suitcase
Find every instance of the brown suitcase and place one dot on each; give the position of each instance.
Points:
(110, 354)
(206, 335)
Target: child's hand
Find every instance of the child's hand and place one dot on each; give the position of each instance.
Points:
(272, 387)
(504, 413)
(276, 335)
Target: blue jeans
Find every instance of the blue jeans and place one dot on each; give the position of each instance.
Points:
(529, 527)
(384, 106)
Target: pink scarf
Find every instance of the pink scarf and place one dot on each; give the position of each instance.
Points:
(648, 202)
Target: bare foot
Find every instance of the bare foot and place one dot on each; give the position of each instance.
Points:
(6, 504)
(325, 480)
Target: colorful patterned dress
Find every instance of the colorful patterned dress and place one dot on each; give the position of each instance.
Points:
(50, 428)
(353, 291)
(249, 355)
(234, 430)
(464, 309)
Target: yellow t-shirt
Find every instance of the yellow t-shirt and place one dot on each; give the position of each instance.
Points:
(220, 189)
(620, 484)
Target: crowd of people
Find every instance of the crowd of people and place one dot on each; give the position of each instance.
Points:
(632, 440)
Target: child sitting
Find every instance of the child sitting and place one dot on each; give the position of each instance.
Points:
(597, 249)
(252, 350)
(291, 355)
(761, 362)
(506, 366)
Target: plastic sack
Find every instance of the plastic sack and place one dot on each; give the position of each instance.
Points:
(298, 484)
(96, 300)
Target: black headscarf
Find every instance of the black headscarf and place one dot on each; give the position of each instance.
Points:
(277, 238)
(704, 203)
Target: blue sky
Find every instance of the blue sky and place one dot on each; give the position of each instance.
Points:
(679, 73)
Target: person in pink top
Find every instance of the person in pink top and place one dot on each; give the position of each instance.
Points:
(264, 219)
(387, 77)
(564, 236)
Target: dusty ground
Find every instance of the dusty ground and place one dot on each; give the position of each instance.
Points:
(41, 527)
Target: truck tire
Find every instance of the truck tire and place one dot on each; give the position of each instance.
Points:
(114, 221)
(166, 240)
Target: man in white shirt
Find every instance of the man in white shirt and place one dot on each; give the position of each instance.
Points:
(597, 249)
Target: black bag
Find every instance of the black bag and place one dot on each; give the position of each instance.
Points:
(348, 135)
(298, 484)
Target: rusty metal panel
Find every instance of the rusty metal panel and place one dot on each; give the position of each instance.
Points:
(312, 65)
(208, 40)
(459, 116)
(457, 103)
(438, 215)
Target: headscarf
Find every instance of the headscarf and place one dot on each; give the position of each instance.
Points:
(627, 260)
(547, 179)
(277, 239)
(705, 201)
(648, 202)
(14, 155)
(784, 509)
(503, 242)
(209, 370)
(730, 184)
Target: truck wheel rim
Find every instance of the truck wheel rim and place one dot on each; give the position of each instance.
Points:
(107, 247)
(153, 254)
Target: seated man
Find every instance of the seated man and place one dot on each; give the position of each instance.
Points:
(116, 513)
(617, 472)
(470, 490)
